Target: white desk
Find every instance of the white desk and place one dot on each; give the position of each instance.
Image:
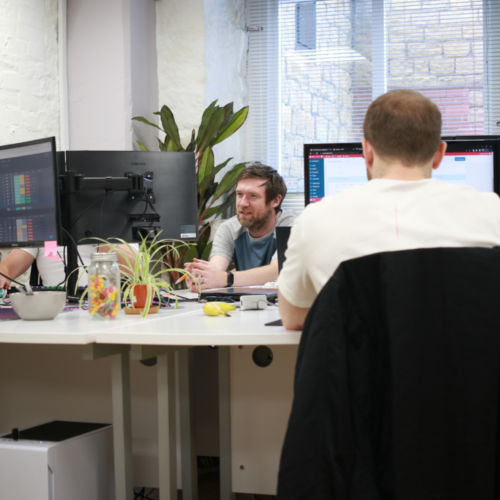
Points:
(159, 336)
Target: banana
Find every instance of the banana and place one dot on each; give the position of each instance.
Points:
(225, 306)
(212, 309)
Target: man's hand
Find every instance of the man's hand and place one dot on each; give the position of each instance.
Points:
(208, 275)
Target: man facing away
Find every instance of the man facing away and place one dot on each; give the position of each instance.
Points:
(248, 239)
(401, 208)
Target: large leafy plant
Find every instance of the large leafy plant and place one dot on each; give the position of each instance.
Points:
(217, 124)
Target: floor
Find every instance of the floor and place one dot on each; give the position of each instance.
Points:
(208, 489)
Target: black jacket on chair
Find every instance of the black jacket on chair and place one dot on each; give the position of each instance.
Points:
(396, 384)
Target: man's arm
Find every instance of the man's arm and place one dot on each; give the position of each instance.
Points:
(16, 263)
(213, 274)
(293, 317)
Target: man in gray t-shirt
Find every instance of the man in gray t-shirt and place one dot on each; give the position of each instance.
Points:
(249, 238)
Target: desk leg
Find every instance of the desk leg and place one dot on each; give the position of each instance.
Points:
(188, 445)
(166, 428)
(225, 426)
(122, 429)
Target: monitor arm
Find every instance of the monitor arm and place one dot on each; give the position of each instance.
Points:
(137, 185)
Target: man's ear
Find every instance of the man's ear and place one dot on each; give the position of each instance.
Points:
(367, 152)
(439, 155)
(274, 203)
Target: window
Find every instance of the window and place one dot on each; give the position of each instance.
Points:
(315, 67)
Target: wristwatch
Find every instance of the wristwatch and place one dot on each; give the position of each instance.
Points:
(230, 278)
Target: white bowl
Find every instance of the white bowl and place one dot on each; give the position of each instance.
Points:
(39, 306)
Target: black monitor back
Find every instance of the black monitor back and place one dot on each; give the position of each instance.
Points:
(106, 216)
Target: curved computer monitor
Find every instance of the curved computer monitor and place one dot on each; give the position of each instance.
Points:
(331, 168)
(107, 215)
(29, 205)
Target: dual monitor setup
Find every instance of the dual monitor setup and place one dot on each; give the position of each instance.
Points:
(50, 196)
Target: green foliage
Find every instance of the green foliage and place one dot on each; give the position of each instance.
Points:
(217, 124)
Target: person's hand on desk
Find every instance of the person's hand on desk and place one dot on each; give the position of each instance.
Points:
(208, 275)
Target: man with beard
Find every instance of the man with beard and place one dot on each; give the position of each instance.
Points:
(247, 239)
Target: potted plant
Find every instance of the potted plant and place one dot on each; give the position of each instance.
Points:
(141, 278)
(217, 124)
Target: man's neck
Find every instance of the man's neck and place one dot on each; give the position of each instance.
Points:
(399, 172)
(265, 229)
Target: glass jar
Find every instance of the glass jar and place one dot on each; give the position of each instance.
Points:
(104, 286)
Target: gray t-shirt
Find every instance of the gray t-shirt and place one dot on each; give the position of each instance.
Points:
(234, 242)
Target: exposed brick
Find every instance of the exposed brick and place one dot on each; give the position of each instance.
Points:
(475, 98)
(420, 81)
(400, 68)
(405, 5)
(286, 118)
(457, 80)
(468, 65)
(406, 35)
(298, 146)
(444, 33)
(457, 49)
(321, 129)
(288, 146)
(442, 66)
(424, 49)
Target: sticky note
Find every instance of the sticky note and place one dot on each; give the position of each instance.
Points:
(51, 250)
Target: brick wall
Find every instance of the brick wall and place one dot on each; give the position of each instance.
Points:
(430, 48)
(315, 95)
(29, 93)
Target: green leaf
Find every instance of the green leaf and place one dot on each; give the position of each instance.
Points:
(212, 129)
(234, 124)
(204, 182)
(228, 113)
(141, 145)
(206, 252)
(215, 211)
(147, 122)
(206, 166)
(172, 146)
(204, 236)
(162, 146)
(228, 181)
(168, 122)
(192, 145)
(204, 120)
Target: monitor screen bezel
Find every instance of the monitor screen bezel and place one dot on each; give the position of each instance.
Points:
(453, 146)
(59, 239)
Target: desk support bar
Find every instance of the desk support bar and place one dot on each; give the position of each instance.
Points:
(225, 425)
(122, 430)
(188, 445)
(166, 426)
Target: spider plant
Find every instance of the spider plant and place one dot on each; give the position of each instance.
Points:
(144, 269)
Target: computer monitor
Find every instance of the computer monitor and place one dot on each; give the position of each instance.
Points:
(101, 214)
(331, 168)
(29, 204)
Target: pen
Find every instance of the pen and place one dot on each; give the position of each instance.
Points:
(180, 280)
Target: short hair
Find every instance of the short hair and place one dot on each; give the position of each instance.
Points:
(403, 125)
(275, 184)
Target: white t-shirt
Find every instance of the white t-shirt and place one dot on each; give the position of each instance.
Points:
(383, 215)
(52, 272)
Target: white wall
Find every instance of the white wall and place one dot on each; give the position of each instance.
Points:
(180, 39)
(29, 91)
(99, 85)
(226, 45)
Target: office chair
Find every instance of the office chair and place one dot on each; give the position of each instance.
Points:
(396, 383)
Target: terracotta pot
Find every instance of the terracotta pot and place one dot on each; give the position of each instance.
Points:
(140, 295)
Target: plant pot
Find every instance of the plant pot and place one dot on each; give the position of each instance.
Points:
(139, 301)
(140, 296)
